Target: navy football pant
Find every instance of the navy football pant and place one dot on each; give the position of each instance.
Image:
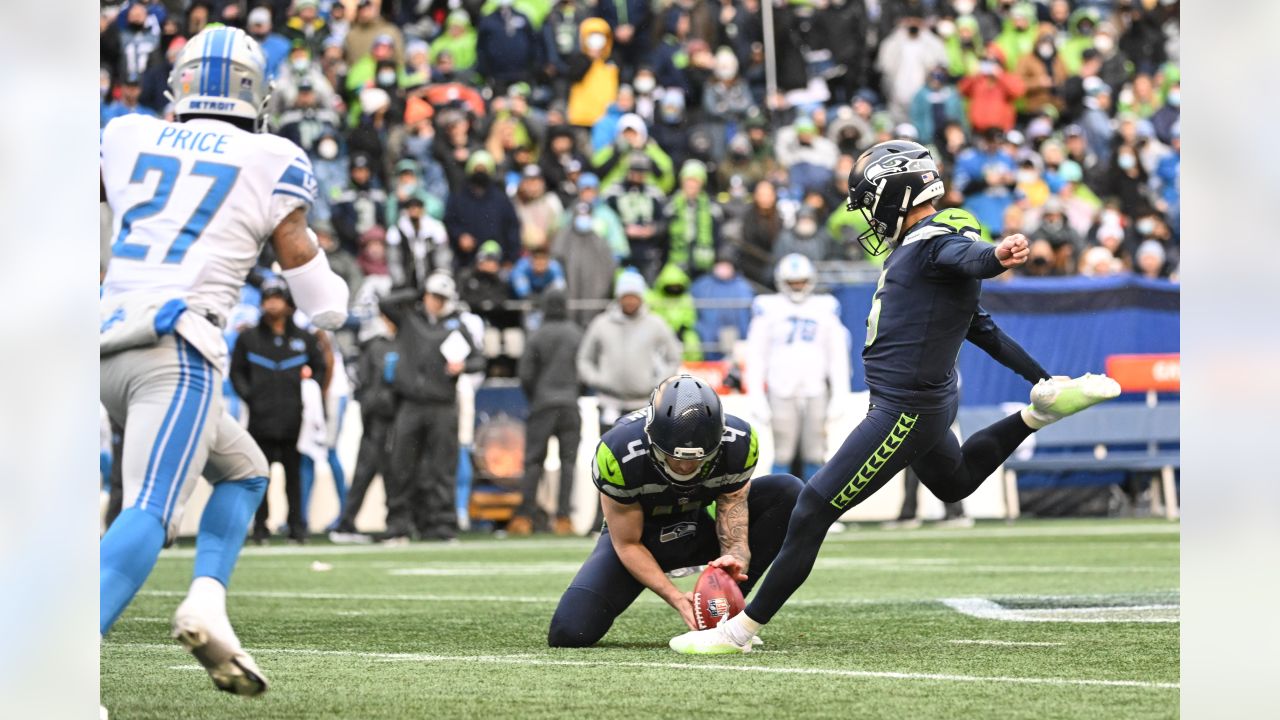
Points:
(603, 588)
(884, 443)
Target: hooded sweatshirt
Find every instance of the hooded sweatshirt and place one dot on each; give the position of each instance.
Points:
(595, 84)
(548, 369)
(669, 299)
(625, 356)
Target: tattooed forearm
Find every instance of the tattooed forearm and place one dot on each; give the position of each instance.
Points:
(731, 524)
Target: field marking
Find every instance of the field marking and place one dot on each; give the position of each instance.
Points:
(279, 594)
(525, 659)
(578, 543)
(1006, 643)
(147, 619)
(186, 667)
(985, 609)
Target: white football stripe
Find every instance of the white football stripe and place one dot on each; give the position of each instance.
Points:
(1009, 643)
(526, 659)
(985, 609)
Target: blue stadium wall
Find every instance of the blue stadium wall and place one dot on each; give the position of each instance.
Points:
(1070, 325)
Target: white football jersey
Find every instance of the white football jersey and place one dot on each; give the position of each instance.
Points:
(797, 349)
(193, 204)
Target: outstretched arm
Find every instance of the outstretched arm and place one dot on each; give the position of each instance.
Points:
(316, 289)
(963, 256)
(626, 526)
(984, 333)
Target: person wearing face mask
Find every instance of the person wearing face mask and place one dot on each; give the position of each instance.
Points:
(905, 59)
(1116, 67)
(1080, 29)
(1127, 181)
(806, 237)
(300, 69)
(726, 98)
(480, 210)
(1054, 227)
(587, 261)
(377, 69)
(611, 162)
(669, 299)
(593, 76)
(1042, 72)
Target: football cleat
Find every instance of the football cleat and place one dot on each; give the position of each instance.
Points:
(708, 642)
(1061, 396)
(214, 644)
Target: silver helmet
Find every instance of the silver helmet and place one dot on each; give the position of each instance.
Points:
(221, 71)
(798, 269)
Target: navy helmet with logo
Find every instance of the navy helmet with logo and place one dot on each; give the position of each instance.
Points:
(686, 422)
(888, 180)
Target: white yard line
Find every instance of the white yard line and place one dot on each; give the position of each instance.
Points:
(985, 609)
(1013, 531)
(525, 659)
(1006, 643)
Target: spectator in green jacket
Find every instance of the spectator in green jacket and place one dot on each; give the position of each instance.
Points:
(693, 222)
(612, 161)
(965, 48)
(1018, 37)
(458, 40)
(671, 300)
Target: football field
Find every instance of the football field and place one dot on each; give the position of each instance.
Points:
(1055, 619)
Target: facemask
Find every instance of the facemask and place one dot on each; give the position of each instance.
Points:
(386, 78)
(300, 65)
(806, 228)
(724, 73)
(1126, 162)
(408, 187)
(963, 7)
(327, 148)
(645, 84)
(1045, 50)
(1146, 226)
(1026, 177)
(582, 223)
(1174, 99)
(1053, 222)
(945, 28)
(595, 41)
(1104, 44)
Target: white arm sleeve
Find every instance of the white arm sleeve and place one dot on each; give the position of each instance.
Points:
(318, 292)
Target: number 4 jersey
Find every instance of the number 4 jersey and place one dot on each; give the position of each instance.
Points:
(193, 204)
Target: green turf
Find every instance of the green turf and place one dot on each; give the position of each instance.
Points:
(460, 631)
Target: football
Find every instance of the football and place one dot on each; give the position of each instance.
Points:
(716, 598)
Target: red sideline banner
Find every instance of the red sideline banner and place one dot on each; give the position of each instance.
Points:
(1140, 373)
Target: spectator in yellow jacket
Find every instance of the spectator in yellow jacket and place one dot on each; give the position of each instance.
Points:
(594, 77)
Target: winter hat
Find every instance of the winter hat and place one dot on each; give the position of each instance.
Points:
(554, 304)
(588, 180)
(489, 250)
(694, 169)
(1151, 247)
(629, 282)
(632, 121)
(479, 158)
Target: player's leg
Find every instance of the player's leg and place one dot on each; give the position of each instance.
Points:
(373, 444)
(307, 479)
(596, 596)
(569, 436)
(335, 462)
(785, 425)
(537, 431)
(439, 471)
(163, 395)
(291, 459)
(878, 448)
(270, 449)
(238, 470)
(405, 449)
(769, 504)
(813, 439)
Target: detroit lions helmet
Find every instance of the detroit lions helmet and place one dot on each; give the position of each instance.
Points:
(686, 422)
(795, 277)
(221, 71)
(886, 182)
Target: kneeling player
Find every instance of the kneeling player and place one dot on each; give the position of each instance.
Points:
(658, 470)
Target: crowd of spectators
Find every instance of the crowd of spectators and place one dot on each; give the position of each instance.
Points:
(524, 145)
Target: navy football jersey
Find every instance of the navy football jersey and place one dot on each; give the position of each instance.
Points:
(623, 470)
(923, 308)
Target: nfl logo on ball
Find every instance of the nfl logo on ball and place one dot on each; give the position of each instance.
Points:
(719, 607)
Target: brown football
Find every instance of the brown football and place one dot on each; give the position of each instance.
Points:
(716, 598)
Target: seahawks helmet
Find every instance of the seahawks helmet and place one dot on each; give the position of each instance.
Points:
(686, 422)
(795, 268)
(221, 71)
(886, 182)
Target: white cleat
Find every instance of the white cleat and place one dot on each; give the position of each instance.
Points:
(708, 642)
(1061, 396)
(756, 641)
(214, 644)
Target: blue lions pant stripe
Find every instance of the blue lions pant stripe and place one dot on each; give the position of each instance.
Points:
(203, 379)
(166, 430)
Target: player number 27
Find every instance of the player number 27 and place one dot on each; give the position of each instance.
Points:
(224, 176)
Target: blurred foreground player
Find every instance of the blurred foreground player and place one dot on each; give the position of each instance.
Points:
(194, 201)
(658, 470)
(925, 306)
